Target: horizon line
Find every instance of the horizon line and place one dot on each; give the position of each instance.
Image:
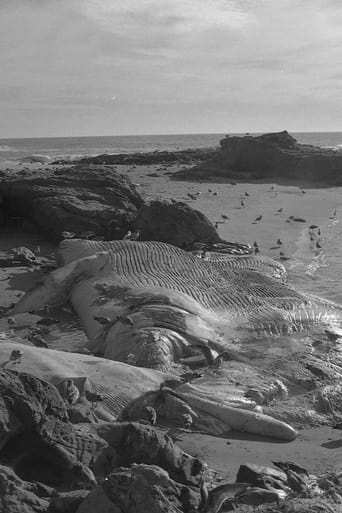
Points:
(173, 133)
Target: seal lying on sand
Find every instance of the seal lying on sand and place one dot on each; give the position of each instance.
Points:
(161, 301)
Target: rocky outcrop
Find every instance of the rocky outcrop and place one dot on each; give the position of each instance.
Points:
(18, 496)
(189, 156)
(74, 199)
(42, 454)
(140, 443)
(139, 489)
(36, 439)
(175, 223)
(274, 155)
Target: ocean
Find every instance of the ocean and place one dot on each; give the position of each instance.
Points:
(71, 148)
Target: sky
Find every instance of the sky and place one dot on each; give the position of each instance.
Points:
(120, 67)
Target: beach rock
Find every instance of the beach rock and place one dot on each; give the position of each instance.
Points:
(273, 155)
(68, 502)
(141, 443)
(261, 476)
(140, 489)
(80, 414)
(36, 439)
(188, 156)
(74, 199)
(19, 496)
(175, 223)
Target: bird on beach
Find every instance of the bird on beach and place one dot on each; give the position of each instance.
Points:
(11, 321)
(37, 340)
(224, 216)
(279, 241)
(333, 337)
(318, 245)
(187, 420)
(93, 398)
(279, 210)
(191, 196)
(16, 355)
(87, 235)
(135, 235)
(258, 218)
(125, 320)
(256, 247)
(102, 319)
(68, 235)
(150, 414)
(216, 225)
(128, 235)
(246, 194)
(70, 392)
(242, 203)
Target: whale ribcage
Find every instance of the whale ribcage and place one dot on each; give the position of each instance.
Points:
(227, 287)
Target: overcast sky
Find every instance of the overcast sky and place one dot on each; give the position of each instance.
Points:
(112, 67)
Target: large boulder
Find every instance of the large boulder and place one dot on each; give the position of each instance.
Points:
(74, 199)
(175, 223)
(42, 453)
(274, 155)
(140, 489)
(134, 442)
(36, 439)
(18, 496)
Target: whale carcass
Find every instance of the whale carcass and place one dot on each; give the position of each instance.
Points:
(160, 301)
(151, 304)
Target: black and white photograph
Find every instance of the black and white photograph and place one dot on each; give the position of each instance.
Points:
(170, 256)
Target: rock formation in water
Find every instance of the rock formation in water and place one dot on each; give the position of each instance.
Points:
(272, 156)
(74, 199)
(189, 156)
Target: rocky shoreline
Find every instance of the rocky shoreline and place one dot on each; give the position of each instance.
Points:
(61, 450)
(276, 156)
(189, 156)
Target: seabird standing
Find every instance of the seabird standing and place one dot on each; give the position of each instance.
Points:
(16, 355)
(150, 414)
(70, 392)
(93, 398)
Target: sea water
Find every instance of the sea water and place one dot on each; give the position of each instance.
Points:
(76, 147)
